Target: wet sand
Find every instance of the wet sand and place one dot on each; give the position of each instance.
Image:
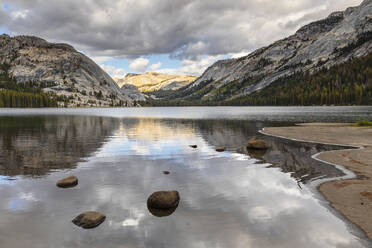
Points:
(353, 198)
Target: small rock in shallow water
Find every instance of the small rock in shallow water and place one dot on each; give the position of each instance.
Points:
(257, 144)
(163, 200)
(68, 182)
(194, 146)
(220, 149)
(90, 219)
(166, 172)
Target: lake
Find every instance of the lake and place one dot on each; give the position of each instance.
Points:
(236, 198)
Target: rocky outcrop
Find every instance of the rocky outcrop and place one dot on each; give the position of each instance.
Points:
(90, 219)
(132, 91)
(334, 40)
(153, 81)
(64, 72)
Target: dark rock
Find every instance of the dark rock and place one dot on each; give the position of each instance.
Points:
(163, 200)
(68, 182)
(166, 172)
(257, 153)
(257, 144)
(220, 149)
(194, 146)
(90, 219)
(161, 212)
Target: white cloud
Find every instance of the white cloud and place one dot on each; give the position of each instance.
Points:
(22, 14)
(113, 71)
(183, 28)
(139, 65)
(156, 66)
(193, 67)
(196, 32)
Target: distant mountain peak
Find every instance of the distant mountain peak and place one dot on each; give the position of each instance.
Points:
(153, 81)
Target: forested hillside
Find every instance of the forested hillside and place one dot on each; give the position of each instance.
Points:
(294, 70)
(21, 95)
(344, 84)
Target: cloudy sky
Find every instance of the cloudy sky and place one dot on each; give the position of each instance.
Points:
(173, 36)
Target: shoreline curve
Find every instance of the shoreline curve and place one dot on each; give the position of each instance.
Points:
(351, 194)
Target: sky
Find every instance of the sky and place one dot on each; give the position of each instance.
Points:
(170, 36)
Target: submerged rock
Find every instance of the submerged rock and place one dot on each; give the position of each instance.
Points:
(163, 200)
(220, 149)
(68, 182)
(257, 153)
(257, 144)
(194, 146)
(90, 219)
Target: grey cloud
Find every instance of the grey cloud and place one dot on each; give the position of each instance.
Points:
(183, 28)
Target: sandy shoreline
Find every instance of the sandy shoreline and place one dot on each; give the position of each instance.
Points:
(353, 198)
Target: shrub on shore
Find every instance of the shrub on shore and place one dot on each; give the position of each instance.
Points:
(364, 123)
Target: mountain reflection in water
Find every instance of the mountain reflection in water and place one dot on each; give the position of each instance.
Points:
(37, 145)
(238, 198)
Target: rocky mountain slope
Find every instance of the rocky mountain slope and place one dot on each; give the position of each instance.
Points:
(61, 71)
(322, 44)
(153, 81)
(132, 91)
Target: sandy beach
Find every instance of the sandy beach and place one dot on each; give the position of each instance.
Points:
(353, 198)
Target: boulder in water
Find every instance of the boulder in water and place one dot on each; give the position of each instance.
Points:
(68, 182)
(90, 219)
(220, 149)
(257, 144)
(162, 212)
(163, 200)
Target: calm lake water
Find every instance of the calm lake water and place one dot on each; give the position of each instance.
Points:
(237, 198)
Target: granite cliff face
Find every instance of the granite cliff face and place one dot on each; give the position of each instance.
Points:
(132, 91)
(67, 73)
(334, 40)
(153, 81)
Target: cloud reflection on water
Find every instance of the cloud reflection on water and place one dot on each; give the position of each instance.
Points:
(227, 200)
